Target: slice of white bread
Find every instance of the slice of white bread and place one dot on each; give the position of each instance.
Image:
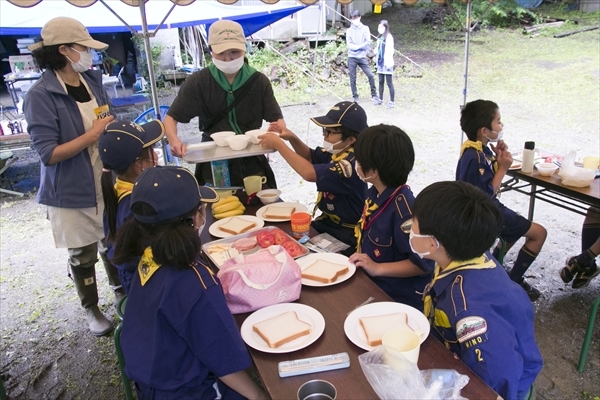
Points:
(324, 271)
(237, 225)
(377, 326)
(281, 329)
(279, 212)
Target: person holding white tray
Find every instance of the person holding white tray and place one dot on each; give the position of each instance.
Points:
(228, 95)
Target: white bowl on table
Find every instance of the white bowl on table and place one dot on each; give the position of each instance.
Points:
(546, 169)
(269, 196)
(237, 142)
(219, 137)
(255, 133)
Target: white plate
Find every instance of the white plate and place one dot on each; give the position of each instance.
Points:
(515, 166)
(355, 332)
(260, 211)
(308, 260)
(215, 231)
(304, 312)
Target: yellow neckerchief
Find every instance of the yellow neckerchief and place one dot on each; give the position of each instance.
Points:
(360, 225)
(123, 188)
(334, 158)
(482, 262)
(469, 144)
(147, 266)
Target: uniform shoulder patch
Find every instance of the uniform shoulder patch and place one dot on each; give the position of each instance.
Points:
(345, 168)
(470, 327)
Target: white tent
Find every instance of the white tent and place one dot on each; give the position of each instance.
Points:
(117, 16)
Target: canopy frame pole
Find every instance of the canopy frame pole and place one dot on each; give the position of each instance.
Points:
(119, 17)
(467, 41)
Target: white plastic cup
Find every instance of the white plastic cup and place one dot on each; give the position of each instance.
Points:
(405, 342)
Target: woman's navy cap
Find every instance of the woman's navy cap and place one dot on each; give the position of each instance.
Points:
(171, 191)
(122, 142)
(347, 114)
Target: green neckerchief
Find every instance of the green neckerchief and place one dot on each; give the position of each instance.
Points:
(243, 75)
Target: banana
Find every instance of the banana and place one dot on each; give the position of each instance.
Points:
(225, 200)
(230, 213)
(232, 205)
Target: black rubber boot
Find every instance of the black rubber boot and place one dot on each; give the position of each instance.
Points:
(84, 278)
(113, 277)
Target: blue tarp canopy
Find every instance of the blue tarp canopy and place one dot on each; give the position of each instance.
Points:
(99, 19)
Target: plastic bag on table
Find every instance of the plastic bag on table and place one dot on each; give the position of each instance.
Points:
(575, 176)
(392, 376)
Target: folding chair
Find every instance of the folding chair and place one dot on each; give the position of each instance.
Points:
(117, 338)
(588, 335)
(6, 160)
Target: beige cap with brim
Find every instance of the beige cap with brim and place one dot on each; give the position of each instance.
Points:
(64, 30)
(226, 35)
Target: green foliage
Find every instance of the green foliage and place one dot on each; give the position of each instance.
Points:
(155, 50)
(504, 13)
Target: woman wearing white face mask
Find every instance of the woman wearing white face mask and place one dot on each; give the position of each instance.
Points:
(60, 109)
(385, 62)
(341, 192)
(229, 95)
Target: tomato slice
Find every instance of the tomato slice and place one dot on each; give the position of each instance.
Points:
(265, 239)
(279, 236)
(293, 248)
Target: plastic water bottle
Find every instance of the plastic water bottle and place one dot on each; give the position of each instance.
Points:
(528, 157)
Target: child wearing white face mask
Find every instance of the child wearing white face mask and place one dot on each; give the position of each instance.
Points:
(384, 158)
(341, 192)
(485, 168)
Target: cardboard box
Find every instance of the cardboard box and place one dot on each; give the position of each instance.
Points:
(22, 63)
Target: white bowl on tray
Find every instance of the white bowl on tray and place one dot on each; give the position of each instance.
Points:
(255, 133)
(546, 169)
(237, 142)
(219, 137)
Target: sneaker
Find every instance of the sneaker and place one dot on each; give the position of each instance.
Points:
(390, 104)
(377, 102)
(572, 267)
(355, 100)
(532, 292)
(376, 99)
(583, 278)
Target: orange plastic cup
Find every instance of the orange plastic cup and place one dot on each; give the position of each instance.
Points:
(300, 224)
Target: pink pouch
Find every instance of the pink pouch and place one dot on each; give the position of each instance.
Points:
(269, 276)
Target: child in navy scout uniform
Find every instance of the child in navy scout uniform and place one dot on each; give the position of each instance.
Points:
(476, 310)
(179, 338)
(341, 192)
(384, 158)
(126, 149)
(485, 168)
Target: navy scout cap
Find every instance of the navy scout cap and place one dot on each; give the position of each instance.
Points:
(171, 191)
(347, 114)
(121, 143)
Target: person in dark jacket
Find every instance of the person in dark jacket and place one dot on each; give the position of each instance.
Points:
(66, 112)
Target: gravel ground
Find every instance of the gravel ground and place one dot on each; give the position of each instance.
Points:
(48, 354)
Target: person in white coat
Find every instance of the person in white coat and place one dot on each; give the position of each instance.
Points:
(385, 61)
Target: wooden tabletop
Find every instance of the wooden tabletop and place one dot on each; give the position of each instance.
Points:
(589, 194)
(334, 303)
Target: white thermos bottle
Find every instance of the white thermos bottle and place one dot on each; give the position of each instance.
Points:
(528, 156)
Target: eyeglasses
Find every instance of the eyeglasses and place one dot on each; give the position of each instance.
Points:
(87, 50)
(327, 132)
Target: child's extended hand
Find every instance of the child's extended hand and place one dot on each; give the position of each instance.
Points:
(274, 127)
(364, 261)
(286, 134)
(269, 140)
